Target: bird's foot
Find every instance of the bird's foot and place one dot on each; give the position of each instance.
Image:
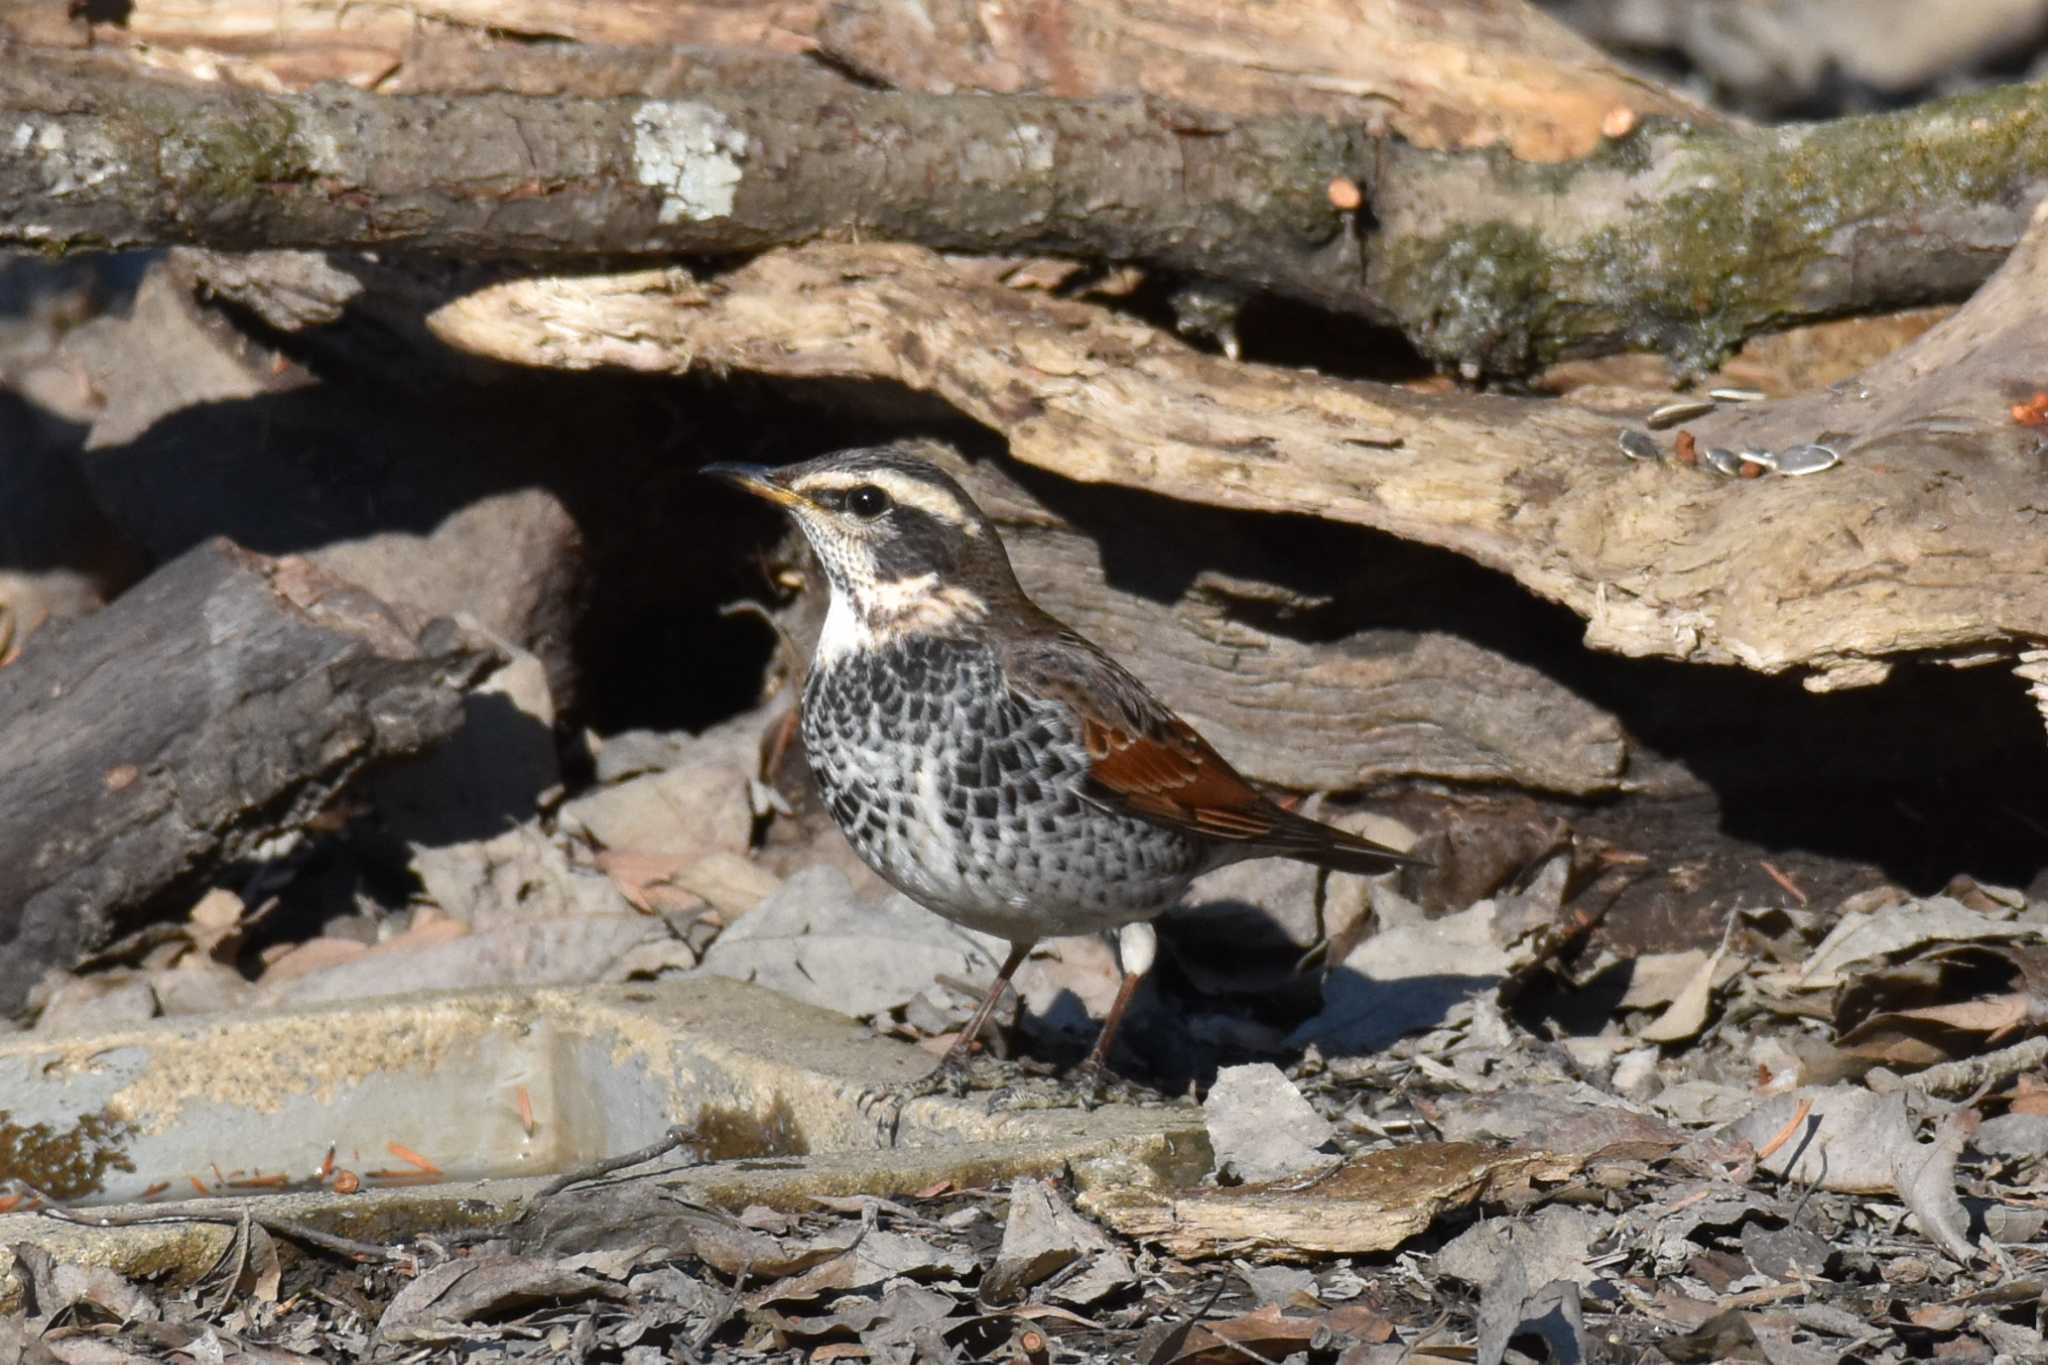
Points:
(1089, 1085)
(956, 1074)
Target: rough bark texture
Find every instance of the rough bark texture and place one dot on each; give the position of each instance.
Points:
(216, 706)
(106, 161)
(1660, 560)
(1241, 647)
(1687, 240)
(1681, 239)
(1440, 73)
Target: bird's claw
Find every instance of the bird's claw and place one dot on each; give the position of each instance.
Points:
(885, 1103)
(1089, 1086)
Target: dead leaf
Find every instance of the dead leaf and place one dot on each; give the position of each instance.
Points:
(1925, 1174)
(1897, 929)
(1042, 1237)
(1550, 1244)
(1507, 1309)
(1372, 1202)
(816, 940)
(1657, 979)
(1273, 1334)
(1688, 1011)
(648, 881)
(904, 1313)
(445, 1302)
(868, 1258)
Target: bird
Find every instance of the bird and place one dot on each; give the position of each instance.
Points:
(988, 761)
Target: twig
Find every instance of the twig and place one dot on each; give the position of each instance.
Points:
(678, 1136)
(727, 1309)
(1791, 887)
(276, 1227)
(1785, 1134)
(1820, 1175)
(1969, 1073)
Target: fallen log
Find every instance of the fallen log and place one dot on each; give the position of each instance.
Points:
(1918, 544)
(203, 717)
(1680, 238)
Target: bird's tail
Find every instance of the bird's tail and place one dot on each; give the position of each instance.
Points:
(1335, 850)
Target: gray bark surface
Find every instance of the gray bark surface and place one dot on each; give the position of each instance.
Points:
(219, 704)
(1673, 237)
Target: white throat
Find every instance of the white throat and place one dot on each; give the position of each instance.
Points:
(874, 613)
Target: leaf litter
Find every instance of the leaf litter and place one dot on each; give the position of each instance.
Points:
(1822, 1138)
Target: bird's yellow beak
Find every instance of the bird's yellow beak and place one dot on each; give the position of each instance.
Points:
(757, 479)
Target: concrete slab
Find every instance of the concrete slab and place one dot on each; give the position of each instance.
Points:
(495, 1091)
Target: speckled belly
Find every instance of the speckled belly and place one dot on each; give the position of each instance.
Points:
(967, 799)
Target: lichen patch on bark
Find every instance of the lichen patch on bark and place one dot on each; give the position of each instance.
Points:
(691, 153)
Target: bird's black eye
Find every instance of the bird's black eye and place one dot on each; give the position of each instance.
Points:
(867, 502)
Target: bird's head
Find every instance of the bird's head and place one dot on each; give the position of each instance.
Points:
(901, 543)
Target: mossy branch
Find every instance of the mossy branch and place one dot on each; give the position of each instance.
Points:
(1673, 238)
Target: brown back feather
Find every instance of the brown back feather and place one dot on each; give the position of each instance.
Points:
(1147, 762)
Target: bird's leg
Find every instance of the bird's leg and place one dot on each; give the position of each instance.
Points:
(1092, 1083)
(956, 1056)
(1137, 948)
(948, 1076)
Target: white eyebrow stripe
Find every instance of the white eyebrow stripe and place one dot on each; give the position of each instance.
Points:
(910, 492)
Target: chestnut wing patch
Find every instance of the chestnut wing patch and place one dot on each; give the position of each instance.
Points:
(1147, 762)
(1176, 779)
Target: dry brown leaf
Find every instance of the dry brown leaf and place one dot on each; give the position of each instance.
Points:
(1657, 979)
(1688, 1011)
(647, 880)
(2029, 1096)
(1272, 1334)
(1372, 1202)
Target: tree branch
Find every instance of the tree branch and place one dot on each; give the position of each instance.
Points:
(1682, 239)
(102, 161)
(1660, 560)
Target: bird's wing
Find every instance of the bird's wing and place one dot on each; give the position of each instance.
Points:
(1147, 762)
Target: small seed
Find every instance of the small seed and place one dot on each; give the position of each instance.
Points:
(1671, 414)
(1687, 451)
(1737, 395)
(1750, 469)
(1638, 445)
(1809, 459)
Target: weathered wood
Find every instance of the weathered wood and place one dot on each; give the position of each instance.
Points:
(1307, 668)
(1920, 543)
(1438, 73)
(201, 717)
(1684, 239)
(1201, 613)
(99, 159)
